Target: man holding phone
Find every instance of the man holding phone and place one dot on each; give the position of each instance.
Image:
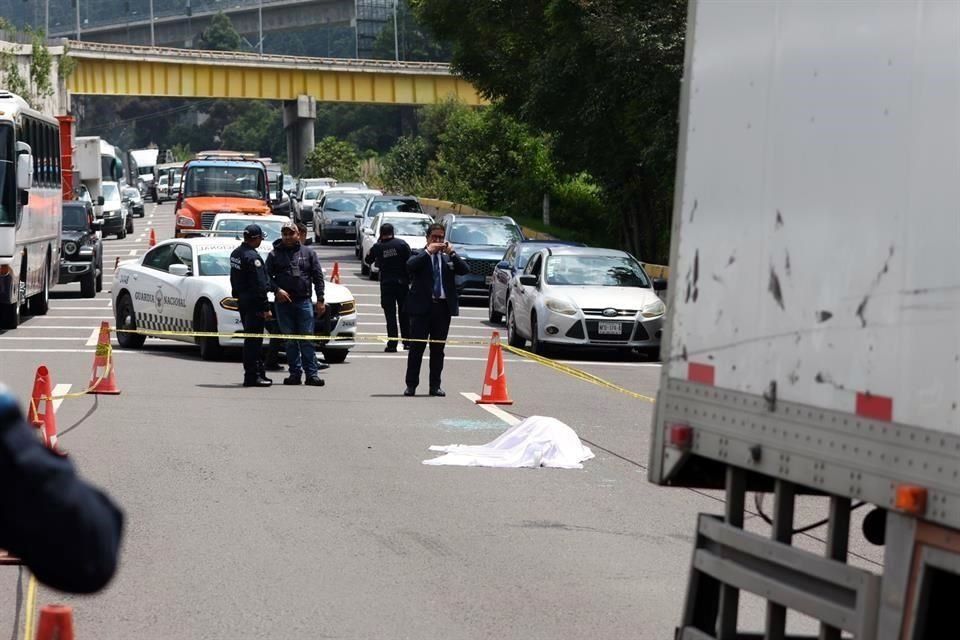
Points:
(432, 301)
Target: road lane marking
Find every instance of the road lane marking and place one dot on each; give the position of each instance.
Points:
(73, 339)
(133, 252)
(94, 338)
(492, 409)
(59, 326)
(59, 390)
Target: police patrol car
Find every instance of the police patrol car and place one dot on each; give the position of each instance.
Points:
(183, 284)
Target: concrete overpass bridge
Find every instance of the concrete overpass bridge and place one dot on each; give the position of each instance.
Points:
(125, 70)
(130, 22)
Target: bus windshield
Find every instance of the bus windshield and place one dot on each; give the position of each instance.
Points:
(8, 176)
(225, 181)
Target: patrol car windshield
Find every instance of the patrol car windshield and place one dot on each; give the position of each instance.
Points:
(271, 230)
(409, 226)
(214, 263)
(8, 176)
(75, 218)
(225, 181)
(595, 271)
(492, 232)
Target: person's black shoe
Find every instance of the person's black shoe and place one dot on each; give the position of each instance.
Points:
(410, 391)
(257, 382)
(263, 376)
(315, 381)
(390, 349)
(438, 392)
(292, 381)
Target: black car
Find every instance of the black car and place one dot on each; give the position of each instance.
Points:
(81, 250)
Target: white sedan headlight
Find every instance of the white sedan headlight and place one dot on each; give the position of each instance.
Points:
(561, 306)
(653, 309)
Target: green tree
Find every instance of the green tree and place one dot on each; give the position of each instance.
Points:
(258, 127)
(332, 158)
(404, 167)
(220, 35)
(600, 76)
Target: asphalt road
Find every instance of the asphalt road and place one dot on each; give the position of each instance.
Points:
(298, 512)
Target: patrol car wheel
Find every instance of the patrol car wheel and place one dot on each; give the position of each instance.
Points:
(335, 356)
(536, 345)
(205, 321)
(127, 320)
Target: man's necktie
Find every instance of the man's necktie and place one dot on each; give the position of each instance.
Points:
(437, 290)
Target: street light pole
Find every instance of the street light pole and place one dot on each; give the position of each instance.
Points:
(46, 19)
(396, 42)
(153, 41)
(260, 26)
(78, 21)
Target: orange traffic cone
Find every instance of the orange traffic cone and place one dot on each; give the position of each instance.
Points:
(153, 237)
(495, 379)
(56, 623)
(45, 419)
(335, 275)
(104, 379)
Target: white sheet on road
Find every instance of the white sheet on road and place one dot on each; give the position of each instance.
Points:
(538, 441)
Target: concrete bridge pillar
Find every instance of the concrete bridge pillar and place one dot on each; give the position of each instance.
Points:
(299, 117)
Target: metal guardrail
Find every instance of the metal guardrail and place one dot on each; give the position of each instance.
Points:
(103, 51)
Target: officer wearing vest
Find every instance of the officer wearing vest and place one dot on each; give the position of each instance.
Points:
(250, 284)
(390, 255)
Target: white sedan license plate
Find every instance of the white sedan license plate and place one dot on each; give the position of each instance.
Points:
(610, 328)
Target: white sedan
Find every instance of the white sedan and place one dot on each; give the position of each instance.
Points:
(585, 297)
(183, 284)
(409, 227)
(224, 223)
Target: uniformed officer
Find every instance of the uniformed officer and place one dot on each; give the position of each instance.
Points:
(248, 278)
(390, 255)
(63, 529)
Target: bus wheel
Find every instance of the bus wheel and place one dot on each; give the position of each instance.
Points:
(39, 304)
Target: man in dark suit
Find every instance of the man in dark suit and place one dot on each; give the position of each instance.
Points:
(432, 301)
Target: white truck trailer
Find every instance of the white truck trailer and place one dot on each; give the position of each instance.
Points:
(96, 161)
(813, 341)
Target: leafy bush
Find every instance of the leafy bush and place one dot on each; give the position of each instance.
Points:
(332, 158)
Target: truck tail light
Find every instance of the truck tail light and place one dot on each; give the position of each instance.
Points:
(681, 436)
(911, 499)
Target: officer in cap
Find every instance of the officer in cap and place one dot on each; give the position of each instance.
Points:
(248, 278)
(390, 255)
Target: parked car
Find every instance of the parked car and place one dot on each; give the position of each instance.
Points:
(337, 214)
(409, 227)
(116, 215)
(512, 263)
(81, 250)
(481, 241)
(379, 204)
(309, 198)
(585, 297)
(134, 201)
(184, 284)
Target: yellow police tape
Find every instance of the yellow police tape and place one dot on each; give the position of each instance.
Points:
(30, 608)
(547, 362)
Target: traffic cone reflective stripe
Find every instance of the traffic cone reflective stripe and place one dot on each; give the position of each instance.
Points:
(153, 237)
(56, 623)
(42, 413)
(335, 275)
(495, 378)
(104, 380)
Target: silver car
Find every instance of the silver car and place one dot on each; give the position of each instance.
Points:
(585, 297)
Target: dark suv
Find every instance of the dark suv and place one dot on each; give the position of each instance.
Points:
(481, 241)
(81, 251)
